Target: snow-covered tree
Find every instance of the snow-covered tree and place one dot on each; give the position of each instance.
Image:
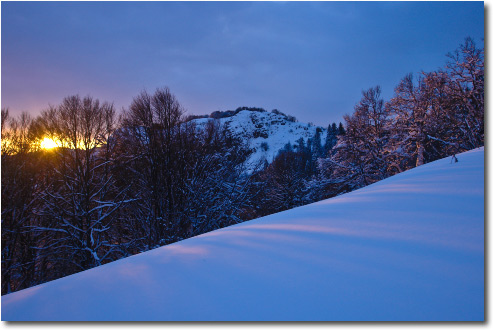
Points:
(360, 155)
(151, 127)
(466, 71)
(187, 181)
(441, 112)
(80, 203)
(216, 186)
(21, 171)
(413, 113)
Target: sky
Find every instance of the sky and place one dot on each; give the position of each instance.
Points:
(307, 59)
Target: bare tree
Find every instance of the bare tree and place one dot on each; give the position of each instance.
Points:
(466, 71)
(21, 171)
(360, 155)
(81, 202)
(152, 123)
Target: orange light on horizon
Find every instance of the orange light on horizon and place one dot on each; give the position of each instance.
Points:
(48, 143)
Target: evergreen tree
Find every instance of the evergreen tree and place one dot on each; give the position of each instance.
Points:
(317, 149)
(341, 129)
(331, 138)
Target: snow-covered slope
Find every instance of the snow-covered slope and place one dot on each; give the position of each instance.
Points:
(407, 248)
(266, 127)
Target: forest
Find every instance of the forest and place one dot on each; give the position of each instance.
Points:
(118, 184)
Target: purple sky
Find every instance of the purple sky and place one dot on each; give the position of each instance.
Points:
(307, 59)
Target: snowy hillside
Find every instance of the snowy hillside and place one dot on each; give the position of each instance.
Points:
(266, 127)
(408, 248)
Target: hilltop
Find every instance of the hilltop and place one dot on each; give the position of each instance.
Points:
(265, 132)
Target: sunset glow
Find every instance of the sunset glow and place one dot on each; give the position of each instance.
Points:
(48, 143)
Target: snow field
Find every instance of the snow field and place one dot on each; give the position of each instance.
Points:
(408, 248)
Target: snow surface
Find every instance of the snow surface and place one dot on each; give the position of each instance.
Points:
(407, 248)
(276, 127)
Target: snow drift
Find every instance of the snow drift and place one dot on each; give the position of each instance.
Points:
(408, 248)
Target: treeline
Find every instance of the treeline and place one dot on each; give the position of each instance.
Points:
(118, 185)
(431, 116)
(114, 187)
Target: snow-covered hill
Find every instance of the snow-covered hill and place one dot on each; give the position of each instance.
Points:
(408, 248)
(265, 132)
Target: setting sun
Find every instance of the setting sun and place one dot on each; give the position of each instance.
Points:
(48, 143)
